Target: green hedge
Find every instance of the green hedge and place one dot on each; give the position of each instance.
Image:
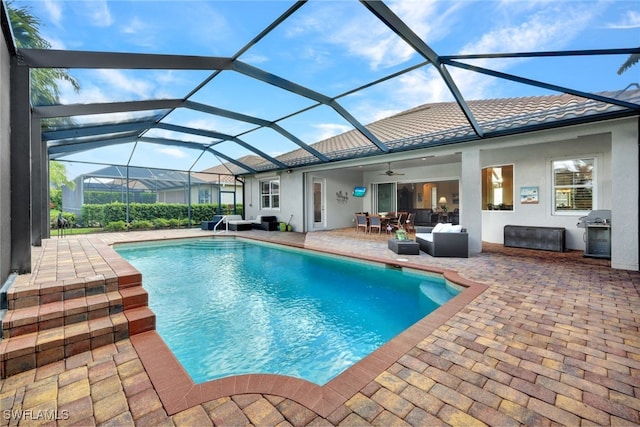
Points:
(100, 215)
(94, 197)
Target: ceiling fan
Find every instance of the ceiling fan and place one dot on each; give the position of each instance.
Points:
(389, 172)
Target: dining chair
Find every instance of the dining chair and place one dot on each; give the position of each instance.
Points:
(375, 222)
(399, 222)
(361, 222)
(408, 224)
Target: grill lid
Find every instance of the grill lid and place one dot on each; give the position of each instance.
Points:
(598, 216)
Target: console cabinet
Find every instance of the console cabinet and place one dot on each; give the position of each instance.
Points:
(532, 237)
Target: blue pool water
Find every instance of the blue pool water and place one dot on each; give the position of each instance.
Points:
(229, 306)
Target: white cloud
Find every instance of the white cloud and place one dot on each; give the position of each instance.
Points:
(375, 42)
(121, 82)
(327, 130)
(172, 152)
(354, 31)
(537, 27)
(551, 28)
(372, 41)
(55, 42)
(54, 9)
(629, 21)
(133, 26)
(251, 58)
(548, 29)
(97, 11)
(204, 124)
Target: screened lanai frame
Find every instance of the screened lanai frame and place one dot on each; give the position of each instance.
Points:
(133, 184)
(109, 133)
(61, 141)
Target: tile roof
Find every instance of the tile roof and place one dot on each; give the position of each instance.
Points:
(229, 168)
(444, 122)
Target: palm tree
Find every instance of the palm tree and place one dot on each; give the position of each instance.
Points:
(44, 85)
(632, 60)
(44, 81)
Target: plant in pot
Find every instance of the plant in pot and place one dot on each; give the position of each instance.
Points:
(401, 233)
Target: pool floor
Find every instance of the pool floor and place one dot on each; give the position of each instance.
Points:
(220, 323)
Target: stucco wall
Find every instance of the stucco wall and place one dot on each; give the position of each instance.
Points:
(291, 198)
(614, 145)
(293, 187)
(532, 167)
(5, 169)
(625, 196)
(340, 204)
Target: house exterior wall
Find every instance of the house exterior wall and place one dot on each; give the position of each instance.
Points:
(291, 200)
(614, 145)
(339, 202)
(532, 167)
(625, 195)
(5, 164)
(226, 197)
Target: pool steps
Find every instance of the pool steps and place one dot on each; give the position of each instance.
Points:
(220, 244)
(50, 321)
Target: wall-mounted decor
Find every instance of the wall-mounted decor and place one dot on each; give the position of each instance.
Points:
(342, 198)
(455, 198)
(528, 195)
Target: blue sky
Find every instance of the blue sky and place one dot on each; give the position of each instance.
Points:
(330, 47)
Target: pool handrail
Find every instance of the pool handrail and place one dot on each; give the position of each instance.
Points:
(224, 217)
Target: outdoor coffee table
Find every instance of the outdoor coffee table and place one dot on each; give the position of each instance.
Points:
(404, 247)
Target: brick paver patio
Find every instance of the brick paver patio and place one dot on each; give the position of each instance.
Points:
(553, 340)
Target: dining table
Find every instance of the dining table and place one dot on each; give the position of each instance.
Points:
(385, 220)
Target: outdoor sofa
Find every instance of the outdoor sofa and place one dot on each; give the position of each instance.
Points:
(443, 240)
(424, 217)
(235, 222)
(265, 222)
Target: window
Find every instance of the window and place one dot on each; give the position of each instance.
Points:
(573, 185)
(497, 188)
(204, 196)
(270, 194)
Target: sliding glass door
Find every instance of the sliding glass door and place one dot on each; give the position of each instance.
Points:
(384, 197)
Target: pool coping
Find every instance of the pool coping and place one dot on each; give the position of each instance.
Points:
(179, 392)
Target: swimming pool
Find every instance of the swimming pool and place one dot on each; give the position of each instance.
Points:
(231, 306)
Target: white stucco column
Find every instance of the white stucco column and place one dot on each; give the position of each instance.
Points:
(470, 198)
(624, 196)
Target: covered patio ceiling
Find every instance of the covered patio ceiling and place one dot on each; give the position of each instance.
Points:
(281, 103)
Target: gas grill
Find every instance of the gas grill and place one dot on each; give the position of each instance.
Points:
(600, 216)
(597, 233)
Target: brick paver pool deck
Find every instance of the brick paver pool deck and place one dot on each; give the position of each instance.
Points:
(549, 339)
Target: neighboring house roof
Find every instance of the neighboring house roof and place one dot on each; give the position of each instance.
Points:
(153, 179)
(444, 123)
(224, 170)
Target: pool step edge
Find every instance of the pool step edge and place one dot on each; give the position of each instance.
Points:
(34, 335)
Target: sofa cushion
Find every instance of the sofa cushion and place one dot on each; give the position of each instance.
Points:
(440, 228)
(425, 236)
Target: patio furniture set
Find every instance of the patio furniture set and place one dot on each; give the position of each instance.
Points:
(387, 221)
(441, 240)
(237, 223)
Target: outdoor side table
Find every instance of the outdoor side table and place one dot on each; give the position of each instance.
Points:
(404, 247)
